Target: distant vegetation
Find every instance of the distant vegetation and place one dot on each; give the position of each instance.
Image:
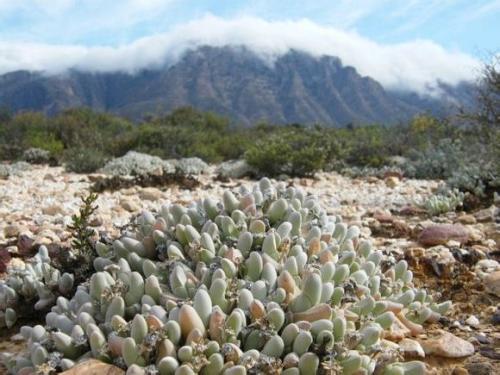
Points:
(294, 149)
(465, 152)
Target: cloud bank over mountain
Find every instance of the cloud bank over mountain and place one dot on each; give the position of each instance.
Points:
(416, 65)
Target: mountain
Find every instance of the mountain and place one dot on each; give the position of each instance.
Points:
(295, 88)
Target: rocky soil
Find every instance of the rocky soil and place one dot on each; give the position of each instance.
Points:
(455, 255)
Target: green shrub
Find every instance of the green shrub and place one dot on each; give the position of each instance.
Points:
(84, 160)
(79, 128)
(187, 132)
(425, 130)
(41, 139)
(367, 146)
(292, 153)
(10, 151)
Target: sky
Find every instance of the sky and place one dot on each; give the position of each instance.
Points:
(402, 43)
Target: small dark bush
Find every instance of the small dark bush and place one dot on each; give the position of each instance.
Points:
(10, 151)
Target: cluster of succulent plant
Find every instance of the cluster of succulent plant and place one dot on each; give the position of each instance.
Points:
(264, 281)
(443, 202)
(36, 285)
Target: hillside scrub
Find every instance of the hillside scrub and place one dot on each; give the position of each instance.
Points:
(187, 132)
(428, 147)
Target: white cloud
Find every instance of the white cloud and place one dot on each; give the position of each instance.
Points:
(415, 65)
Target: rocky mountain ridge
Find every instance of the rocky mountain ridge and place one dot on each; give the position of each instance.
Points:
(297, 88)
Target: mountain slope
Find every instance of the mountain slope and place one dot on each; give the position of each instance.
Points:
(231, 81)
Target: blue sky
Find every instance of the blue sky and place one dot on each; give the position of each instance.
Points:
(401, 43)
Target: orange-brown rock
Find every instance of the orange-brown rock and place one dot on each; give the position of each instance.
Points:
(94, 367)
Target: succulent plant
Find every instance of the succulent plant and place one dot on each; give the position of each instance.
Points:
(38, 283)
(443, 202)
(261, 282)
